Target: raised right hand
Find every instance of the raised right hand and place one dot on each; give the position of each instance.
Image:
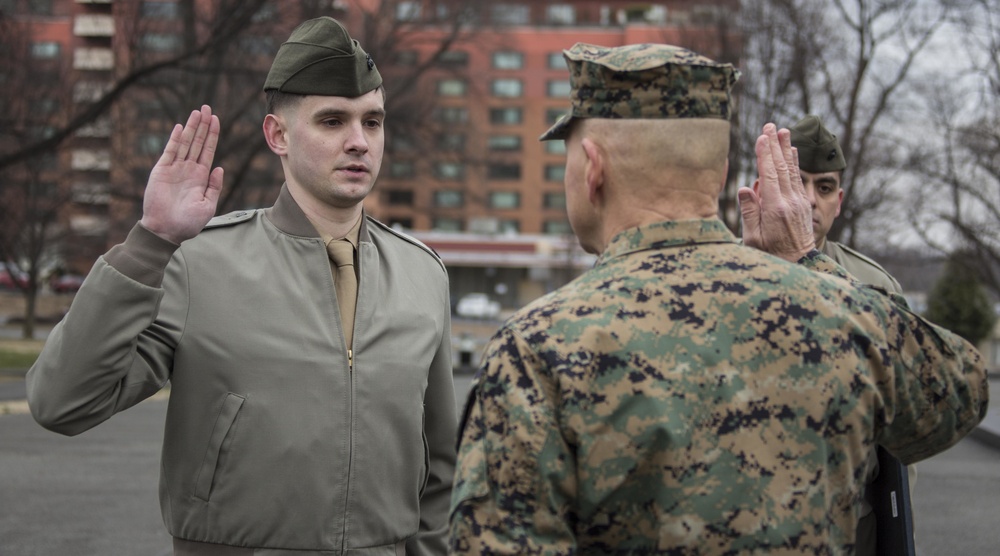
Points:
(183, 189)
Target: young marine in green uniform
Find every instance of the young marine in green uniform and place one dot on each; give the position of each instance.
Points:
(690, 395)
(306, 416)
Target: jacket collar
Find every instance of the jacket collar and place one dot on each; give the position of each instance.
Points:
(672, 233)
(287, 216)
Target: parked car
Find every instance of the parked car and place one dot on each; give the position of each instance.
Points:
(66, 283)
(12, 278)
(477, 306)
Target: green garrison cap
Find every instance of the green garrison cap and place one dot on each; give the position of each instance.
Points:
(321, 58)
(644, 81)
(819, 151)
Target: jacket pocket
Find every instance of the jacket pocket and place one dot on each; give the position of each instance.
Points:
(223, 425)
(427, 458)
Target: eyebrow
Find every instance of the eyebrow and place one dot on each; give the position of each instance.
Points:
(327, 112)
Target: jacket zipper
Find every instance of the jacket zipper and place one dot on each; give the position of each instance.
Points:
(350, 360)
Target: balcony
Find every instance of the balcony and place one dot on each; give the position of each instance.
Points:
(91, 193)
(90, 91)
(94, 26)
(91, 160)
(100, 129)
(102, 59)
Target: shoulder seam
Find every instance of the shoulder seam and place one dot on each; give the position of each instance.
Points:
(408, 239)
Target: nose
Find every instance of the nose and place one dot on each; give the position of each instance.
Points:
(357, 142)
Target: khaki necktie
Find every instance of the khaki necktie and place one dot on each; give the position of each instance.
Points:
(346, 281)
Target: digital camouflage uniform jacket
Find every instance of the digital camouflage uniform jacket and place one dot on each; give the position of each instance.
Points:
(690, 395)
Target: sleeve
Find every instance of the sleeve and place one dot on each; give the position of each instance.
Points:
(440, 423)
(108, 353)
(516, 473)
(933, 383)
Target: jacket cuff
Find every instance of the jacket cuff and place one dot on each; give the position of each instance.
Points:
(143, 256)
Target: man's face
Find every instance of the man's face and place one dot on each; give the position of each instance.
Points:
(824, 192)
(335, 146)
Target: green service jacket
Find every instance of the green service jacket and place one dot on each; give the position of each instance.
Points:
(271, 439)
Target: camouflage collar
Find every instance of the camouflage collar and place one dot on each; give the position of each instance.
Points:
(672, 233)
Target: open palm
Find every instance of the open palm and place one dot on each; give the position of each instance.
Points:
(183, 190)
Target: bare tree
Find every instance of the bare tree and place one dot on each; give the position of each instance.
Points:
(850, 62)
(958, 206)
(31, 201)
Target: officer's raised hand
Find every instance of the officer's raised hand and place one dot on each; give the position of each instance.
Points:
(183, 189)
(777, 216)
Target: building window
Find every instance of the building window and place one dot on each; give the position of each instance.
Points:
(559, 88)
(505, 199)
(499, 171)
(152, 144)
(452, 115)
(40, 7)
(556, 227)
(160, 42)
(399, 197)
(402, 169)
(556, 61)
(509, 226)
(45, 50)
(406, 58)
(555, 146)
(408, 11)
(453, 142)
(449, 170)
(451, 88)
(453, 59)
(506, 116)
(553, 114)
(449, 198)
(560, 14)
(504, 142)
(554, 201)
(508, 60)
(508, 88)
(555, 172)
(257, 46)
(401, 223)
(401, 143)
(447, 224)
(160, 10)
(510, 14)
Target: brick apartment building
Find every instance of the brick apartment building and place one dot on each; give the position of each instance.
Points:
(463, 171)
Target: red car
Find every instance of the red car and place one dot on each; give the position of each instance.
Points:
(12, 278)
(67, 283)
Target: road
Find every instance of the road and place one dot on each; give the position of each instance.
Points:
(96, 494)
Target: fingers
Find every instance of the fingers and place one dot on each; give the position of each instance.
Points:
(778, 157)
(173, 144)
(211, 141)
(187, 135)
(196, 140)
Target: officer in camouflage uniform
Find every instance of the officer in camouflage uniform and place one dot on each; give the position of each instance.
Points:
(690, 395)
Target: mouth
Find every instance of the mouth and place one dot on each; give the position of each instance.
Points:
(355, 169)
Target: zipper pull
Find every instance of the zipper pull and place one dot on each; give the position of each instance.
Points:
(350, 360)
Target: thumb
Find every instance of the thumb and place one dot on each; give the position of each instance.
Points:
(751, 215)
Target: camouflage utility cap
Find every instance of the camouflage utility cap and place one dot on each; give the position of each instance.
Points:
(321, 58)
(819, 150)
(644, 81)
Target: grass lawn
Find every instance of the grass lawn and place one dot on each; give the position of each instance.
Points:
(18, 354)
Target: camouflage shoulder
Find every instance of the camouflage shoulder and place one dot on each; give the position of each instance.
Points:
(407, 238)
(231, 219)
